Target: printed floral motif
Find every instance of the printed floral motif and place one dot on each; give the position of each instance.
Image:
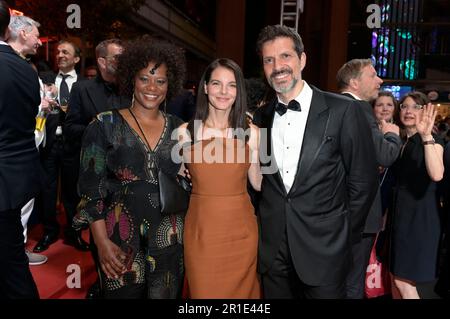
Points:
(126, 175)
(93, 157)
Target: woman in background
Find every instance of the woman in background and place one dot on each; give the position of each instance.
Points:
(416, 225)
(385, 107)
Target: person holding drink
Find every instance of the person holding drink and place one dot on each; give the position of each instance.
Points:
(56, 155)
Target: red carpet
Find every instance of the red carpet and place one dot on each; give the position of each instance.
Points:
(51, 278)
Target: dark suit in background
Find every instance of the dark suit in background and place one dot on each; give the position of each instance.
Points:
(56, 158)
(87, 99)
(326, 208)
(387, 149)
(20, 170)
(182, 106)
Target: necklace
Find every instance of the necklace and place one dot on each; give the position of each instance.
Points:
(140, 128)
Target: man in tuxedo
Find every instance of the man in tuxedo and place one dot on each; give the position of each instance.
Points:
(56, 156)
(20, 171)
(24, 39)
(87, 99)
(358, 80)
(94, 96)
(316, 202)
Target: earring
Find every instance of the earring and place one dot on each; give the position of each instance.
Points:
(132, 101)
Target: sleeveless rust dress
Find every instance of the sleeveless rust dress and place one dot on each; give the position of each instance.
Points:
(221, 233)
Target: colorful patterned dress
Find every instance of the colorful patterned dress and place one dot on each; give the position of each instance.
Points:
(118, 183)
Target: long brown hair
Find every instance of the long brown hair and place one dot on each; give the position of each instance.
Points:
(237, 118)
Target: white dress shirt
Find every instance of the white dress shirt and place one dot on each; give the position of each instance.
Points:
(287, 136)
(3, 43)
(70, 80)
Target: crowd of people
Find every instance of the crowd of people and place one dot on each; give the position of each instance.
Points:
(292, 186)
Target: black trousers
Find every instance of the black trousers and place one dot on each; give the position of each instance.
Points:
(356, 277)
(282, 281)
(54, 161)
(16, 281)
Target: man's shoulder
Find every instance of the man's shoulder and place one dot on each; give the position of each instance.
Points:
(81, 78)
(84, 84)
(330, 99)
(334, 97)
(10, 59)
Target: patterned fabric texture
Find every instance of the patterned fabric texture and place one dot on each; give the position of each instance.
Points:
(118, 183)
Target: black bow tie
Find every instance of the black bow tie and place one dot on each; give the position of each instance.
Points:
(282, 108)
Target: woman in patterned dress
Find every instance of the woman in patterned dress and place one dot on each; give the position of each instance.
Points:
(140, 250)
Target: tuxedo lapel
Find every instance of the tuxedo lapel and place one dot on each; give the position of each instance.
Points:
(269, 158)
(313, 138)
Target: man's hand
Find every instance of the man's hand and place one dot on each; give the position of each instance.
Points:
(48, 104)
(389, 128)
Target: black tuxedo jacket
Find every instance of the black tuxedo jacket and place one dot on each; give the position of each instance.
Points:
(335, 184)
(87, 99)
(53, 120)
(20, 170)
(387, 149)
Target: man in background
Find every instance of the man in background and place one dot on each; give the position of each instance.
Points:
(20, 171)
(56, 156)
(24, 39)
(358, 80)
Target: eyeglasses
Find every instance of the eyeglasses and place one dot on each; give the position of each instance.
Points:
(415, 106)
(112, 57)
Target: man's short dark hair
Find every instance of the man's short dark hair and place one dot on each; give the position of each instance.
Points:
(4, 18)
(74, 46)
(271, 32)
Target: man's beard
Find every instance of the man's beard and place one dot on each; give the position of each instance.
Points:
(111, 70)
(283, 88)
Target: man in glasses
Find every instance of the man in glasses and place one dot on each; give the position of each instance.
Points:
(358, 80)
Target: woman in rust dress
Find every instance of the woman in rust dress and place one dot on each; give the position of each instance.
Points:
(221, 232)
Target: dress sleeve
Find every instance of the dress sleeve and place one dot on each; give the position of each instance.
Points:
(92, 181)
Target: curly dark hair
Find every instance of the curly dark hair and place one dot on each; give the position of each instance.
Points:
(139, 53)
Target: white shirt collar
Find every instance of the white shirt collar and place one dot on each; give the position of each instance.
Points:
(3, 43)
(71, 74)
(304, 98)
(352, 94)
